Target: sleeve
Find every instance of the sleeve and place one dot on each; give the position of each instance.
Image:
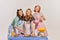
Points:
(42, 15)
(33, 18)
(15, 21)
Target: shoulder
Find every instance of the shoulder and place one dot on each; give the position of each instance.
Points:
(16, 19)
(41, 14)
(34, 14)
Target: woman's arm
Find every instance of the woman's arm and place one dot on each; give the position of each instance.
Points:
(32, 27)
(25, 26)
(14, 23)
(43, 17)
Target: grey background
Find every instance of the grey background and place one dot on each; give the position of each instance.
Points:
(50, 8)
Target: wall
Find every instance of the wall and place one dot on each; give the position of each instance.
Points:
(50, 8)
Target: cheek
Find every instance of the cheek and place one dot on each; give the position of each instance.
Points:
(37, 9)
(29, 12)
(20, 14)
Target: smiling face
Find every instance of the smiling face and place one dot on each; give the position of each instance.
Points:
(20, 13)
(28, 15)
(37, 8)
(28, 12)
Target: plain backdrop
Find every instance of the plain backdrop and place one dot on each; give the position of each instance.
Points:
(50, 8)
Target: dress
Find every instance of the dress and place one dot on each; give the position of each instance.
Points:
(27, 27)
(38, 23)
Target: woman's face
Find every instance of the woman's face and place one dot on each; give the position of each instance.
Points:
(37, 8)
(28, 12)
(20, 13)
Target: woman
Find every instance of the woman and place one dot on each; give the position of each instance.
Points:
(27, 24)
(39, 18)
(18, 22)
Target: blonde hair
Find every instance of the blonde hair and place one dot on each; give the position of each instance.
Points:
(30, 13)
(28, 16)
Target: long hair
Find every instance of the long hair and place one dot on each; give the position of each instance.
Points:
(28, 17)
(20, 17)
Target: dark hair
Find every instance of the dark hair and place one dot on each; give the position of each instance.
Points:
(37, 6)
(20, 17)
(28, 17)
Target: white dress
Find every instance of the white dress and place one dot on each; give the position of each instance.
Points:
(27, 27)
